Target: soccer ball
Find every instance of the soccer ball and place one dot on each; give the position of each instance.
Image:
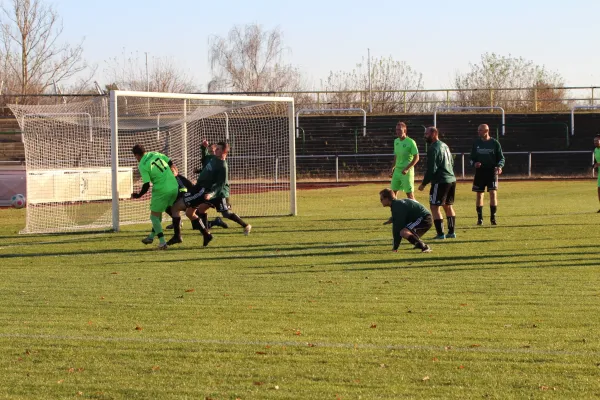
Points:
(18, 201)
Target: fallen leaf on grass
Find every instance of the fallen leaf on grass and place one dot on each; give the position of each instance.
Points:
(259, 383)
(310, 345)
(475, 345)
(155, 368)
(435, 359)
(114, 273)
(61, 381)
(138, 328)
(190, 290)
(425, 378)
(297, 333)
(373, 325)
(461, 367)
(262, 353)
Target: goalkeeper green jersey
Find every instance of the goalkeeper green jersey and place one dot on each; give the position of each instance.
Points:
(154, 168)
(597, 156)
(488, 153)
(440, 164)
(404, 150)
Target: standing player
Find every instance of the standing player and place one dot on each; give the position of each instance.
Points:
(409, 218)
(440, 172)
(211, 191)
(155, 168)
(488, 160)
(597, 161)
(406, 156)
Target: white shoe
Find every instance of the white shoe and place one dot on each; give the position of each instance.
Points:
(247, 230)
(162, 246)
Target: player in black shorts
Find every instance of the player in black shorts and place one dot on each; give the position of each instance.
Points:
(211, 190)
(488, 160)
(440, 172)
(409, 218)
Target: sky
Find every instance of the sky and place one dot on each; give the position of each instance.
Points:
(436, 38)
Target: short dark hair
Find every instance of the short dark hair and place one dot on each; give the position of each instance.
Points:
(597, 136)
(387, 194)
(224, 145)
(402, 124)
(138, 150)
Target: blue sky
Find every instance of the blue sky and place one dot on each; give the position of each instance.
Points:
(437, 38)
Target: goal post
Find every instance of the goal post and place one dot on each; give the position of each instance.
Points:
(78, 155)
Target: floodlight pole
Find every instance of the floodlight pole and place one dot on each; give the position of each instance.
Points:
(444, 108)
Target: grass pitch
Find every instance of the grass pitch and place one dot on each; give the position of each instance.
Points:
(313, 307)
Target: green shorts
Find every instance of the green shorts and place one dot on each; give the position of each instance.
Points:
(162, 199)
(406, 183)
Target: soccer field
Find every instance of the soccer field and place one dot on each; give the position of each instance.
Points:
(314, 306)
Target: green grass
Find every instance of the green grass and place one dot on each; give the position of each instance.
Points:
(312, 307)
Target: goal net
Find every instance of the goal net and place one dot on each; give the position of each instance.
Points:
(81, 172)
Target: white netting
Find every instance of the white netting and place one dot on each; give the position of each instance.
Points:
(68, 155)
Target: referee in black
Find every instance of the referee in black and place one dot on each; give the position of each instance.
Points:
(488, 160)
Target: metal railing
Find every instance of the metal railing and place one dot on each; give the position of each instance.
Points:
(331, 171)
(533, 99)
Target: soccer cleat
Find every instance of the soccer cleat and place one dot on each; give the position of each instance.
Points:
(207, 238)
(170, 226)
(451, 236)
(147, 240)
(439, 237)
(480, 221)
(174, 240)
(247, 230)
(599, 211)
(493, 222)
(426, 249)
(219, 222)
(162, 246)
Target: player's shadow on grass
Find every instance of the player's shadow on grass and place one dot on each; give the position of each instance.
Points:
(77, 253)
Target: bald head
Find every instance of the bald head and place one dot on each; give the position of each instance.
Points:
(484, 131)
(431, 134)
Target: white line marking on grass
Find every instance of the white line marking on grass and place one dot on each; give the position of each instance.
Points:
(304, 344)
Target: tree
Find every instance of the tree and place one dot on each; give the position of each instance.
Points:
(395, 87)
(32, 57)
(251, 59)
(488, 84)
(129, 72)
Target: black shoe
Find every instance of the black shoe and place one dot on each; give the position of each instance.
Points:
(207, 238)
(170, 226)
(426, 249)
(480, 221)
(219, 222)
(493, 221)
(174, 240)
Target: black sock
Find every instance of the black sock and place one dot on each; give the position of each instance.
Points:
(479, 212)
(439, 226)
(198, 225)
(177, 226)
(234, 217)
(204, 218)
(493, 212)
(451, 222)
(416, 241)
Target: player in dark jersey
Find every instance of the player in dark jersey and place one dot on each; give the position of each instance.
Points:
(440, 172)
(409, 218)
(488, 160)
